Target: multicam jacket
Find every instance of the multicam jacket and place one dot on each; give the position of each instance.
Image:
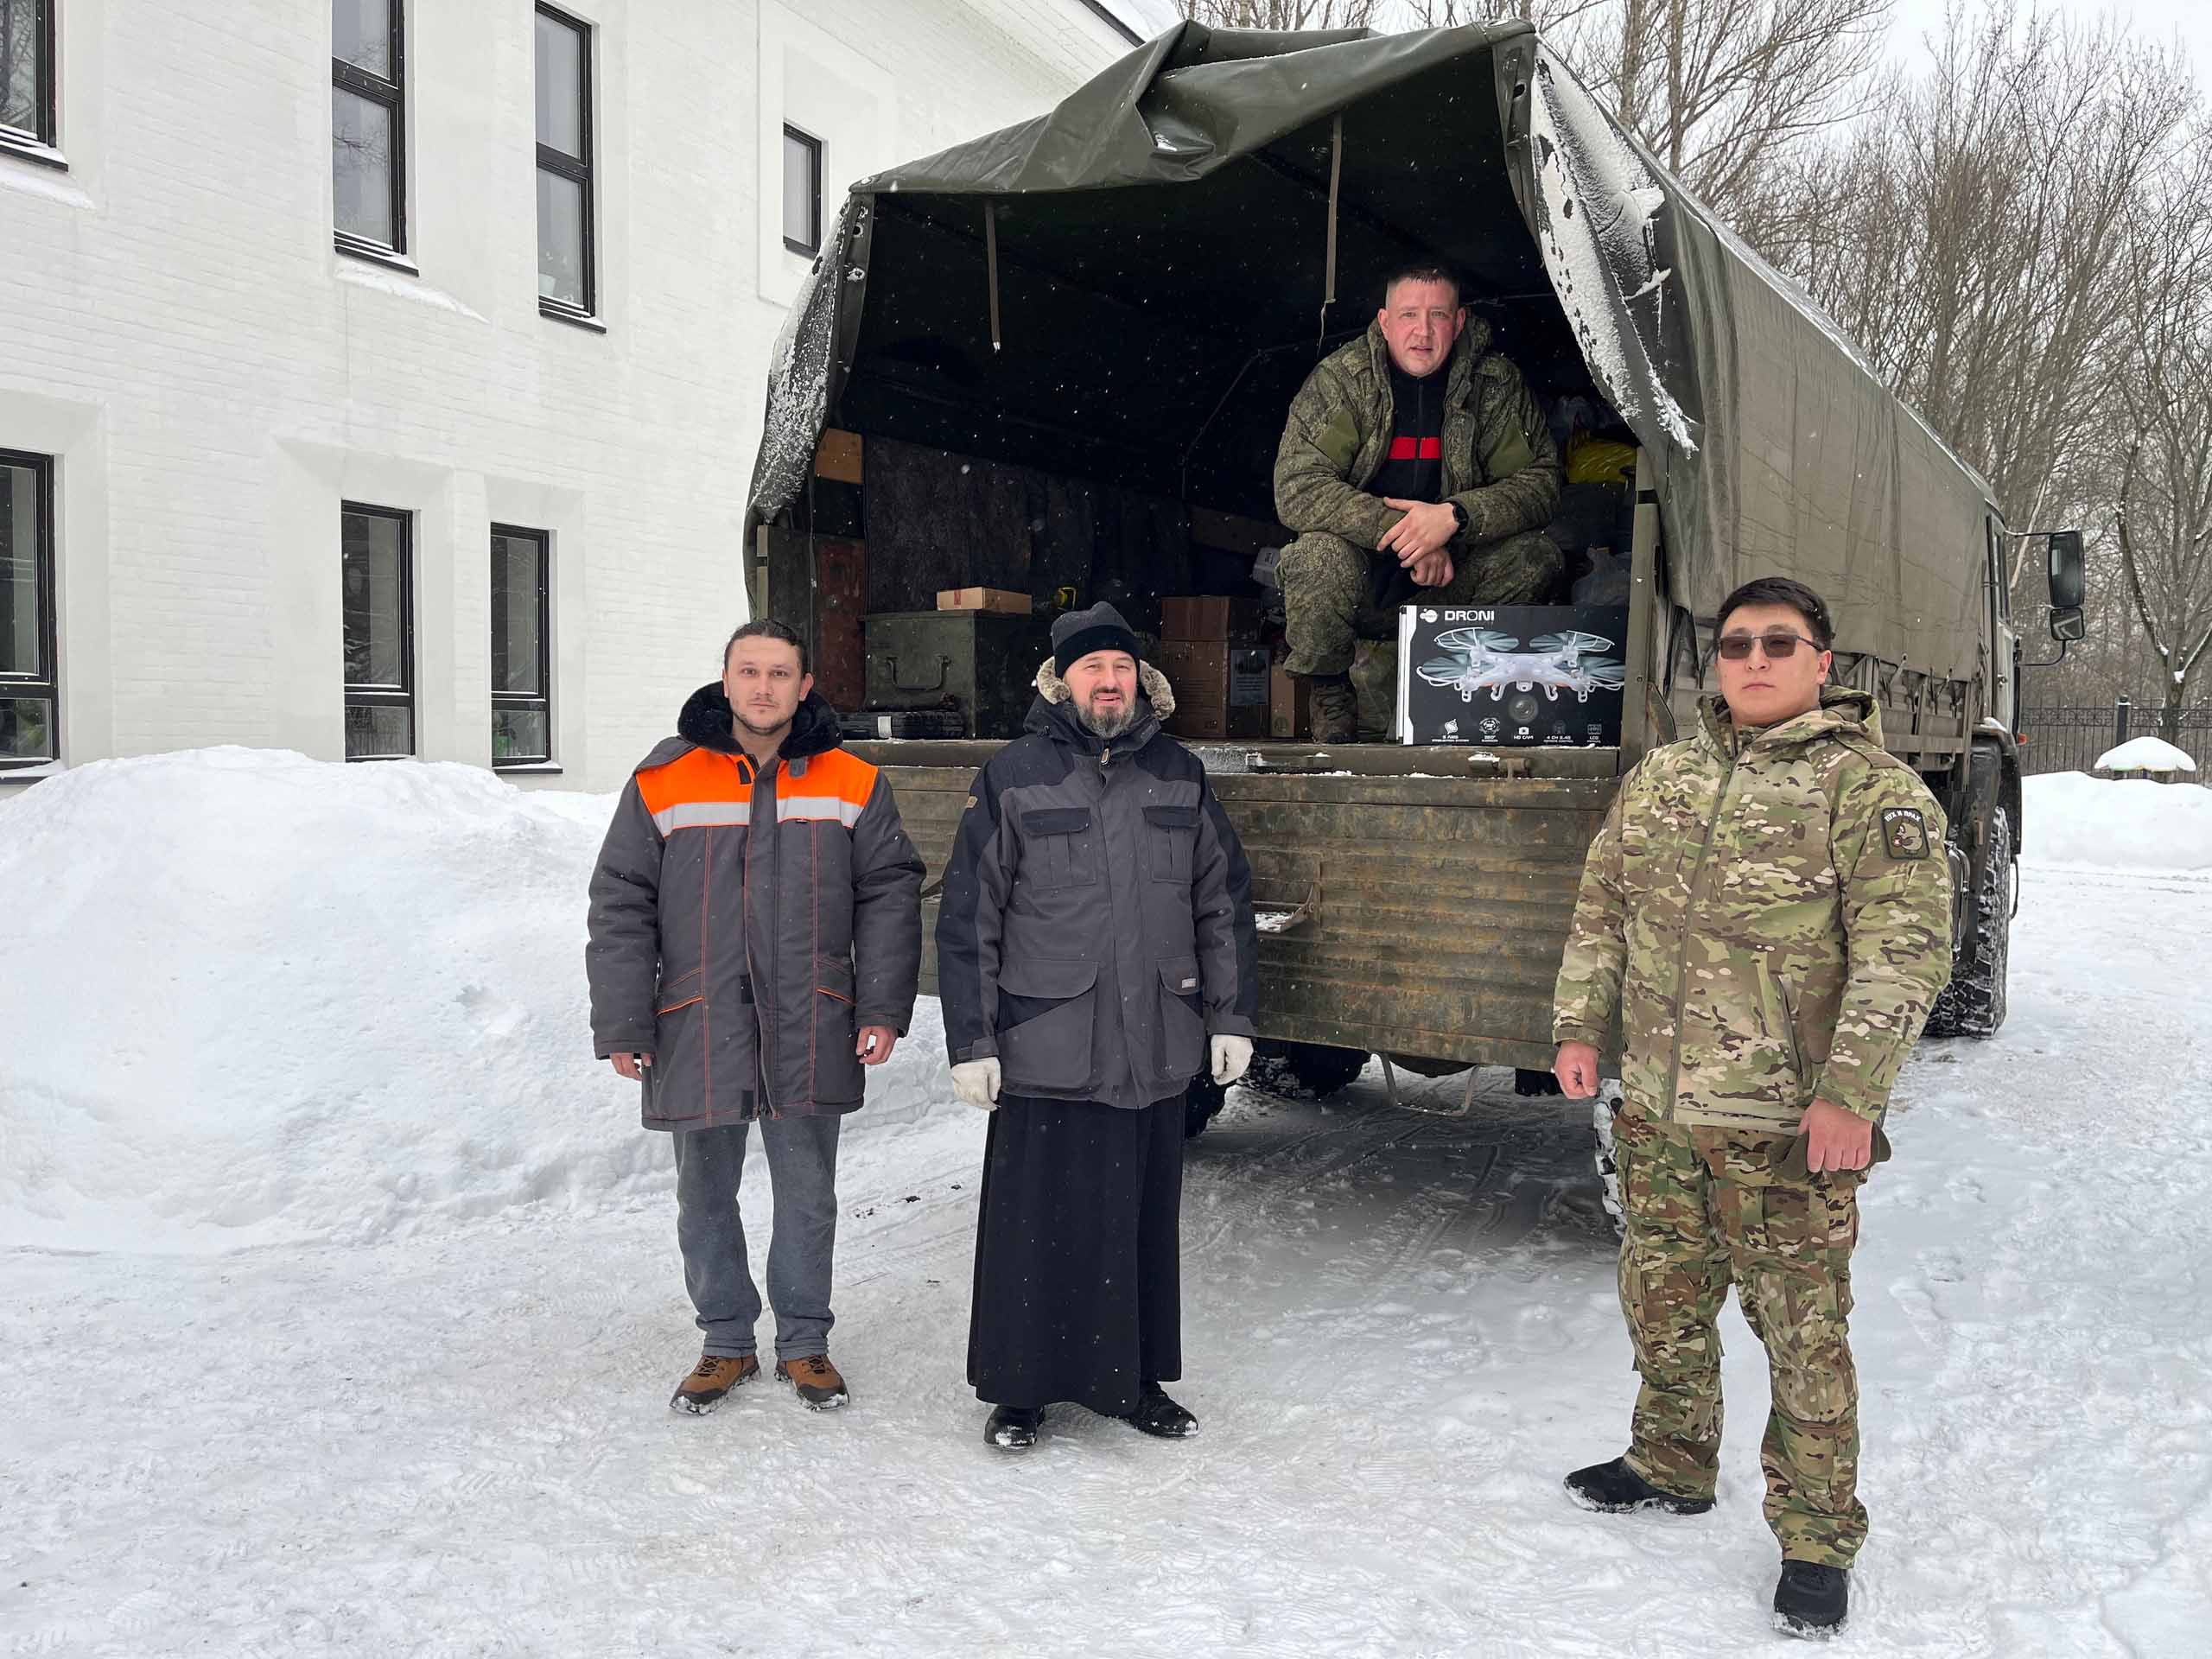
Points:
(1769, 913)
(1499, 460)
(747, 920)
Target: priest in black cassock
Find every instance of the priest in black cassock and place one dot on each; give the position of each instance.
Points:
(1096, 951)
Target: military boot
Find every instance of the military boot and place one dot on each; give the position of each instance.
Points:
(1811, 1599)
(715, 1375)
(1614, 1489)
(1335, 708)
(816, 1382)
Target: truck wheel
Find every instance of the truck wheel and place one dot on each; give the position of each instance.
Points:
(1973, 1004)
(1305, 1070)
(1201, 1104)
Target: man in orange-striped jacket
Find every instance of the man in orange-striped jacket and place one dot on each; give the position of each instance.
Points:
(755, 942)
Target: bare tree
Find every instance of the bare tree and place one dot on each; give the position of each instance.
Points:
(1968, 236)
(1282, 14)
(2163, 517)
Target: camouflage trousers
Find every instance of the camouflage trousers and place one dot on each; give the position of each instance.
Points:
(1334, 592)
(1707, 1207)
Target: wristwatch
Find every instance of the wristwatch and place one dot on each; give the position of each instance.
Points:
(1459, 512)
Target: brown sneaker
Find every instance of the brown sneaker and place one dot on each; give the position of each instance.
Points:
(816, 1382)
(1335, 708)
(715, 1376)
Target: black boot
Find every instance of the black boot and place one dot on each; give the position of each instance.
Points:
(1157, 1414)
(1811, 1599)
(1614, 1489)
(1013, 1428)
(1334, 708)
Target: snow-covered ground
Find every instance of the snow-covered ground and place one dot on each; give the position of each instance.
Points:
(342, 1304)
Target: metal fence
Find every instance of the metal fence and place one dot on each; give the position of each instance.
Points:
(2069, 738)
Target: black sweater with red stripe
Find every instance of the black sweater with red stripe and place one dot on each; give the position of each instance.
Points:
(1413, 470)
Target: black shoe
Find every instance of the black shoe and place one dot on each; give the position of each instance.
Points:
(1811, 1599)
(1157, 1414)
(1614, 1489)
(1013, 1428)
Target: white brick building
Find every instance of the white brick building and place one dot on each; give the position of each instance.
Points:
(256, 430)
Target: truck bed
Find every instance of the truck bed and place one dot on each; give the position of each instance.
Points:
(1413, 901)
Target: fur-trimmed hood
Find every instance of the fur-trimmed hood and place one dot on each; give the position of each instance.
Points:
(1152, 686)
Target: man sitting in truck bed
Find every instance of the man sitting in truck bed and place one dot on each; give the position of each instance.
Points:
(1414, 459)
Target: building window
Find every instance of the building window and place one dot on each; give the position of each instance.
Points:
(27, 73)
(368, 126)
(379, 605)
(522, 706)
(28, 704)
(802, 192)
(564, 203)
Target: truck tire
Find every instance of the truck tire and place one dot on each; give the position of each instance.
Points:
(1303, 1071)
(1973, 1004)
(1202, 1103)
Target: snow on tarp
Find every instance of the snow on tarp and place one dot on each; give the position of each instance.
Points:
(1597, 202)
(254, 998)
(2145, 754)
(2116, 822)
(803, 368)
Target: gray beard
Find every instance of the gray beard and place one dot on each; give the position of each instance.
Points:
(1107, 726)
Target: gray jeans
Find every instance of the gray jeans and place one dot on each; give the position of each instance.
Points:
(803, 1182)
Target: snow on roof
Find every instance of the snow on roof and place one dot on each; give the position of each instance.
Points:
(2145, 754)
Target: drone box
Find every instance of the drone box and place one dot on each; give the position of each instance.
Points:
(1511, 675)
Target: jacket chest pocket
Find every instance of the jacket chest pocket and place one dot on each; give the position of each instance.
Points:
(1059, 847)
(1171, 834)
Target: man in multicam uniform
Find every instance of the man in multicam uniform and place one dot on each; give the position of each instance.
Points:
(1413, 461)
(1767, 910)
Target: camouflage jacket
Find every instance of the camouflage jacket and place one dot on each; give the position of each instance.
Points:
(1769, 914)
(1499, 460)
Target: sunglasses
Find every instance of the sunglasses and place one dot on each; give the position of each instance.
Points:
(1778, 647)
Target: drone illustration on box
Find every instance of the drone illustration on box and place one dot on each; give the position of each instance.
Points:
(1482, 659)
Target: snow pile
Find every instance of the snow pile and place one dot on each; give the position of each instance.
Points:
(251, 997)
(2145, 754)
(2117, 824)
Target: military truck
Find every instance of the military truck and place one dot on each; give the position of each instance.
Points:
(1055, 361)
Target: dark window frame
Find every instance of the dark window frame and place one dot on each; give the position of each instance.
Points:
(372, 695)
(44, 579)
(391, 93)
(37, 144)
(576, 171)
(515, 702)
(814, 148)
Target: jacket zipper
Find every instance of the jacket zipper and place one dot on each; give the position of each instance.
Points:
(761, 1026)
(1682, 960)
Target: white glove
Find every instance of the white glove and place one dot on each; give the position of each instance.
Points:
(976, 1082)
(1230, 1056)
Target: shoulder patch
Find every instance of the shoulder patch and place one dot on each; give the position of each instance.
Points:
(1904, 832)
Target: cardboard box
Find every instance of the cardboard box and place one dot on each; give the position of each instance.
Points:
(1290, 710)
(1512, 675)
(838, 456)
(997, 601)
(1212, 617)
(1221, 691)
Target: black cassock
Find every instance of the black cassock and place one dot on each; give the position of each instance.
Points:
(1078, 1295)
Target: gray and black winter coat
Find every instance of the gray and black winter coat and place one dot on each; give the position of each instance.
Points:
(747, 920)
(1096, 921)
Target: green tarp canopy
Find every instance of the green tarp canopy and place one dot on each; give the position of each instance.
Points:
(1131, 287)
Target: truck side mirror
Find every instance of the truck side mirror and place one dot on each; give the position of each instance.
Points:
(2068, 626)
(2065, 572)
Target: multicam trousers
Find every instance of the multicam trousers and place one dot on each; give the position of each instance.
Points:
(1333, 591)
(1706, 1207)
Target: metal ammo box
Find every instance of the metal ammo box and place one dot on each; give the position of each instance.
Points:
(979, 663)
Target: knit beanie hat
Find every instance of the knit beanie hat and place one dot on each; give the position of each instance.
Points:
(1075, 634)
